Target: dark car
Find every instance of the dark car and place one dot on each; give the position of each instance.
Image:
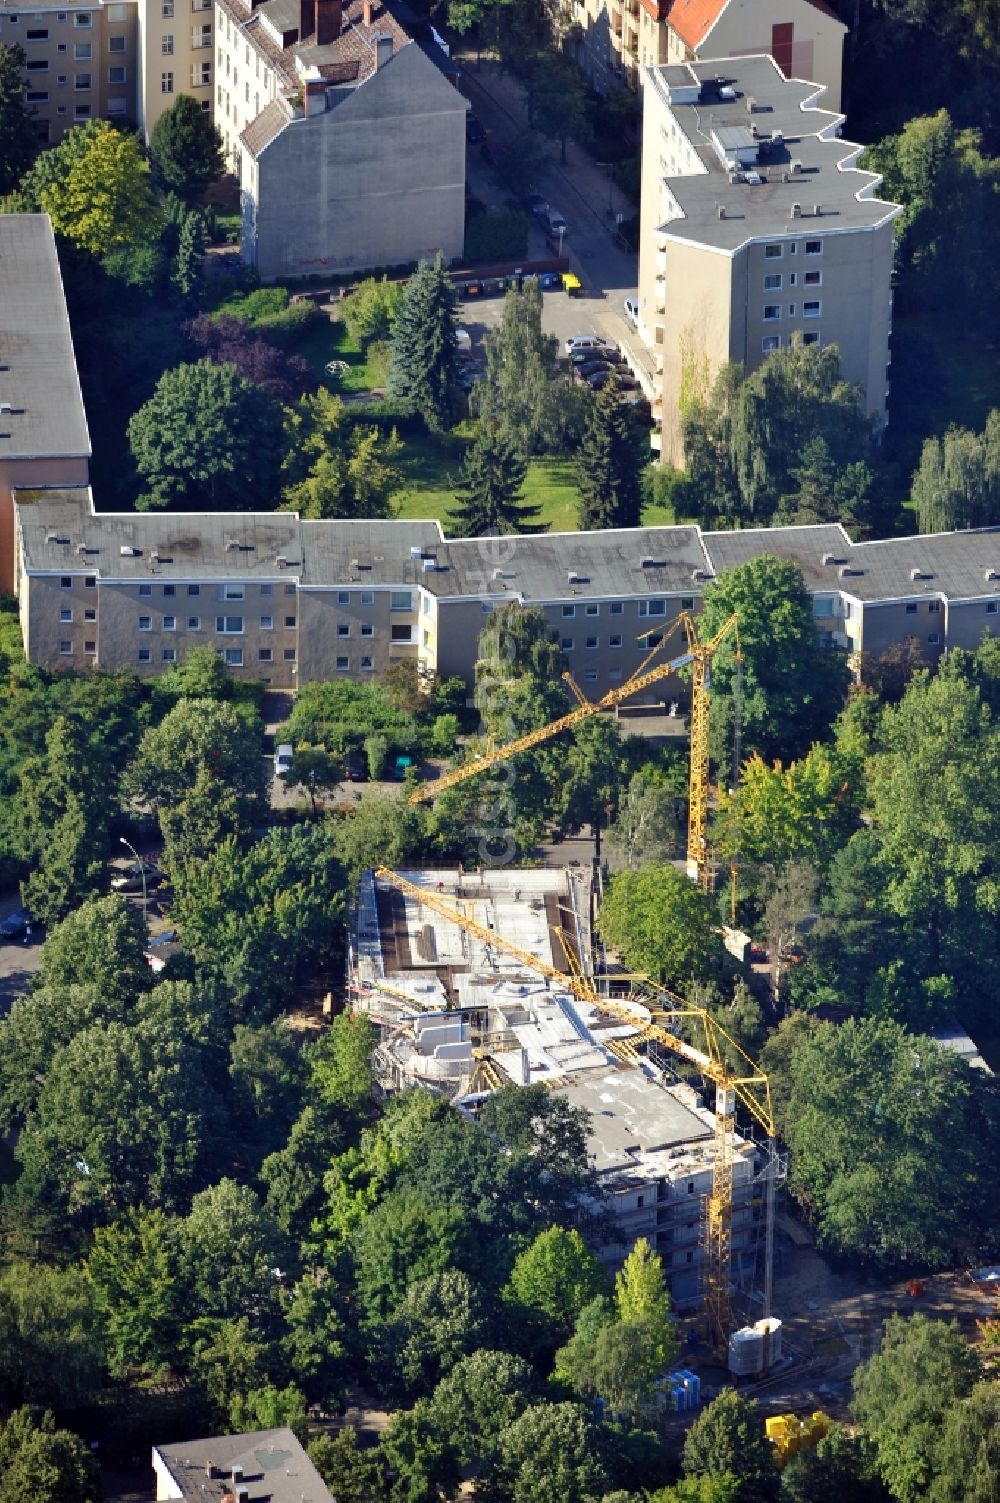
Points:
(594, 368)
(473, 130)
(590, 357)
(537, 205)
(355, 767)
(598, 377)
(14, 925)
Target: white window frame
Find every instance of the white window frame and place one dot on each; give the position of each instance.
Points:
(773, 281)
(773, 252)
(233, 592)
(813, 248)
(812, 309)
(267, 623)
(770, 343)
(772, 313)
(224, 629)
(170, 623)
(233, 657)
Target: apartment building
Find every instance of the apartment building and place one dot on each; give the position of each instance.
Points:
(176, 49)
(756, 226)
(615, 39)
(345, 131)
(288, 600)
(81, 61)
(43, 427)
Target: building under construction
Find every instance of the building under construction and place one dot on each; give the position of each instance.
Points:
(481, 980)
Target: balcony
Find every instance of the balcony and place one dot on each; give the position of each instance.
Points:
(616, 22)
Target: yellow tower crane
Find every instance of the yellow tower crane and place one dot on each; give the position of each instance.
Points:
(735, 1076)
(699, 656)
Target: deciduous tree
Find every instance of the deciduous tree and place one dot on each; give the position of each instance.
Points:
(47, 1465)
(727, 1440)
(958, 482)
(557, 1275)
(551, 1452)
(186, 147)
(96, 187)
(64, 806)
(335, 468)
(663, 924)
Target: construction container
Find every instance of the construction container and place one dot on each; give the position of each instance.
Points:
(692, 1386)
(770, 1330)
(746, 1352)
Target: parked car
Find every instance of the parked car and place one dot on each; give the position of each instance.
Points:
(632, 311)
(400, 768)
(598, 377)
(355, 767)
(602, 353)
(14, 925)
(588, 342)
(555, 225)
(473, 130)
(131, 879)
(593, 368)
(283, 758)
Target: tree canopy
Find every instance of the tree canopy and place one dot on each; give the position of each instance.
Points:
(96, 187)
(18, 140)
(424, 364)
(186, 147)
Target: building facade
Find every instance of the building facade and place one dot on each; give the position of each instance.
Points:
(756, 228)
(615, 39)
(288, 601)
(176, 49)
(81, 61)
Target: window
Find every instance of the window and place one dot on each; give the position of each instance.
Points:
(401, 633)
(116, 75)
(690, 1186)
(166, 83)
(615, 639)
(791, 310)
(652, 607)
(911, 610)
(343, 665)
(145, 623)
(264, 654)
(770, 343)
(568, 611)
(343, 630)
(367, 665)
(169, 655)
(81, 112)
(289, 589)
(194, 623)
(38, 65)
(65, 613)
(267, 623)
(615, 675)
(401, 600)
(194, 589)
(144, 655)
(566, 643)
(934, 606)
(814, 247)
(991, 608)
(65, 582)
(83, 51)
(117, 105)
(813, 279)
(812, 338)
(592, 610)
(772, 312)
(232, 592)
(37, 96)
(90, 647)
(267, 589)
(167, 46)
(144, 590)
(82, 18)
(229, 625)
(592, 643)
(169, 590)
(116, 44)
(234, 657)
(201, 36)
(167, 9)
(772, 252)
(687, 602)
(773, 282)
(201, 77)
(90, 614)
(791, 279)
(590, 677)
(289, 623)
(367, 629)
(117, 14)
(367, 597)
(170, 623)
(37, 34)
(616, 608)
(811, 310)
(933, 639)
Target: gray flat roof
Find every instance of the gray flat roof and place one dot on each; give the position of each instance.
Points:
(764, 209)
(950, 564)
(631, 1116)
(38, 376)
(275, 1468)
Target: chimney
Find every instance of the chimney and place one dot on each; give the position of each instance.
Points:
(383, 50)
(329, 21)
(307, 19)
(367, 12)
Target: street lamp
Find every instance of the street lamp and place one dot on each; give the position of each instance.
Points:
(142, 873)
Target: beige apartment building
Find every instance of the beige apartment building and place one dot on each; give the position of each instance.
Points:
(287, 600)
(176, 49)
(81, 61)
(615, 39)
(43, 427)
(756, 227)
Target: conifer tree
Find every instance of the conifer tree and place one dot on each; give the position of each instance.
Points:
(189, 262)
(424, 363)
(18, 140)
(609, 465)
(493, 472)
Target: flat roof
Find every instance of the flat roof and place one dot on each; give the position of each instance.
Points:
(631, 1117)
(38, 375)
(275, 1468)
(824, 177)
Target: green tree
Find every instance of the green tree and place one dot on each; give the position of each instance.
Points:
(879, 1126)
(826, 491)
(793, 686)
(647, 827)
(229, 1249)
(727, 1440)
(267, 1066)
(642, 1297)
(186, 148)
(353, 1475)
(188, 272)
(663, 924)
(424, 364)
(556, 98)
(806, 811)
(550, 1453)
(51, 1350)
(18, 137)
(315, 770)
(334, 468)
(439, 1320)
(958, 482)
(421, 1461)
(100, 944)
(593, 775)
(478, 1400)
(371, 311)
(64, 809)
(207, 440)
(967, 1455)
(519, 396)
(47, 1465)
(841, 1466)
(491, 490)
(381, 832)
(405, 1239)
(609, 465)
(903, 1394)
(557, 1275)
(132, 1267)
(96, 187)
(341, 1066)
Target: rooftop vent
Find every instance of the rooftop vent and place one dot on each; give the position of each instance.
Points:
(242, 1493)
(6, 408)
(430, 564)
(754, 178)
(653, 563)
(991, 574)
(698, 574)
(727, 93)
(416, 553)
(751, 104)
(574, 578)
(795, 211)
(832, 558)
(817, 211)
(846, 572)
(795, 167)
(82, 548)
(281, 561)
(777, 137)
(237, 1471)
(232, 544)
(720, 209)
(127, 551)
(920, 574)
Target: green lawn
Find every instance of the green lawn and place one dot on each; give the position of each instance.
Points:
(432, 468)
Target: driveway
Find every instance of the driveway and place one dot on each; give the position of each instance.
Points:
(19, 962)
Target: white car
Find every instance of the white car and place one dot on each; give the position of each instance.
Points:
(587, 342)
(632, 311)
(283, 760)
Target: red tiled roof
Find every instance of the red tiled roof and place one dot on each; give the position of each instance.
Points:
(693, 19)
